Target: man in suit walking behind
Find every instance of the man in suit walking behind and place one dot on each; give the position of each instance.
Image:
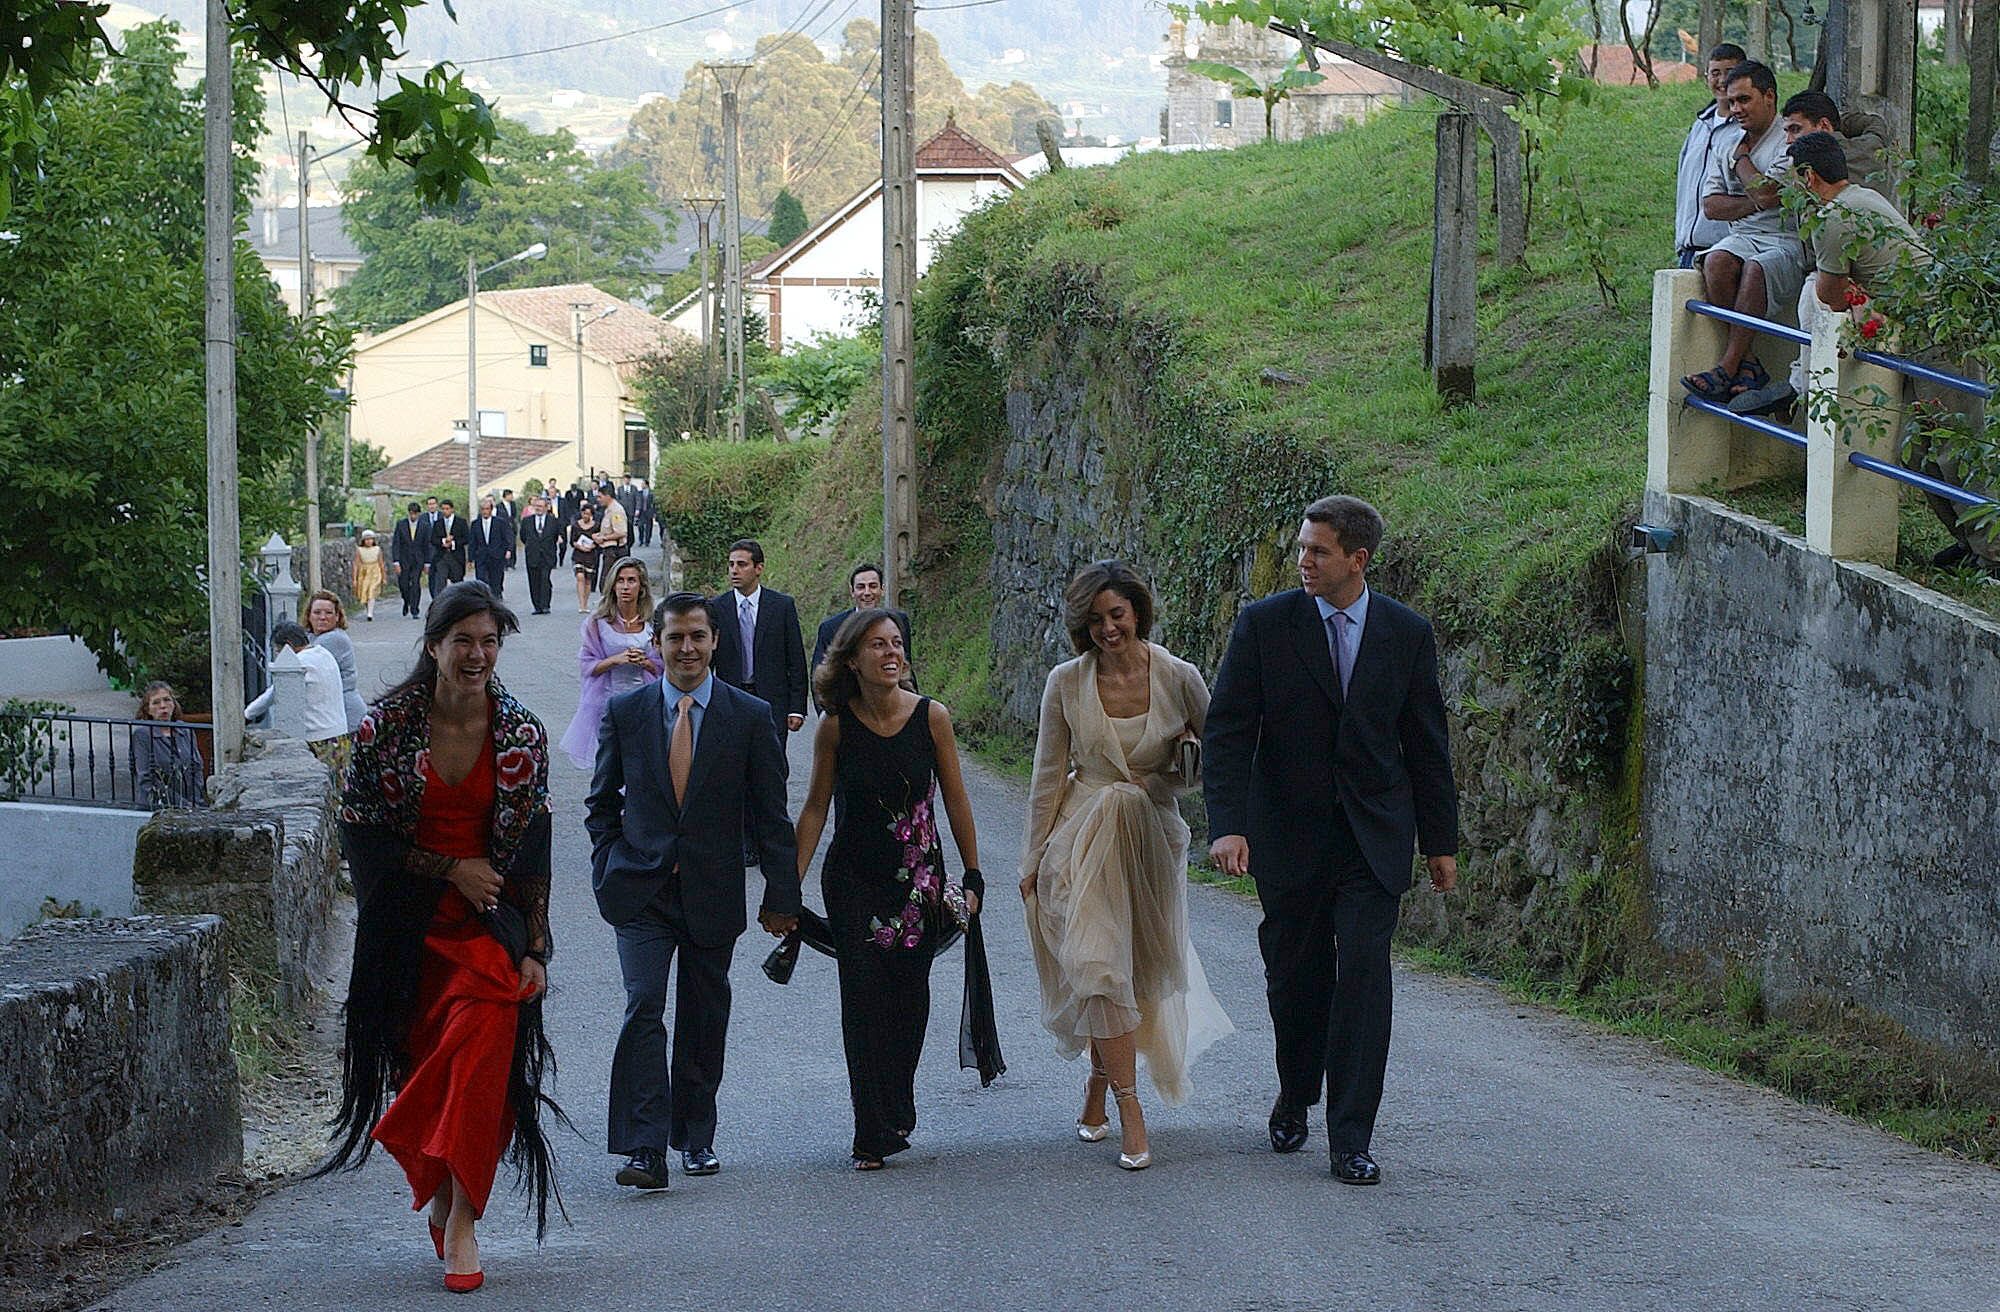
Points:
(450, 538)
(409, 545)
(864, 585)
(492, 546)
(683, 764)
(538, 538)
(1327, 761)
(759, 646)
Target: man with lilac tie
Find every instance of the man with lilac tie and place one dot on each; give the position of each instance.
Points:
(1326, 763)
(759, 646)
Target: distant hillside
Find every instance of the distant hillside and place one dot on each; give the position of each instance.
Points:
(1103, 59)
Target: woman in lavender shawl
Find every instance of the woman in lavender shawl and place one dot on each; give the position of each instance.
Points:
(616, 655)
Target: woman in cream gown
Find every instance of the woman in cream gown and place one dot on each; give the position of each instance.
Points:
(1104, 867)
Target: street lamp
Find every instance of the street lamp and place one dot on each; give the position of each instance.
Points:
(472, 272)
(576, 310)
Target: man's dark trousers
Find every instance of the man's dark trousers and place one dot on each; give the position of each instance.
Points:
(1331, 1007)
(410, 582)
(676, 1110)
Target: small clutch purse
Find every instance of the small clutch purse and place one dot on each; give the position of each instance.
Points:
(1187, 761)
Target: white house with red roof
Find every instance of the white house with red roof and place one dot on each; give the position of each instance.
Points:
(824, 279)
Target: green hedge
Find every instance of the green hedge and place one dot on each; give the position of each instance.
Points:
(711, 493)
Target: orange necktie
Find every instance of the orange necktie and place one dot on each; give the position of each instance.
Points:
(680, 751)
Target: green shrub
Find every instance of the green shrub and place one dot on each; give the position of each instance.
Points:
(711, 493)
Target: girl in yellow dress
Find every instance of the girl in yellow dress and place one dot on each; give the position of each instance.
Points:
(368, 573)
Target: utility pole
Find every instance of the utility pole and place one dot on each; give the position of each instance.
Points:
(703, 208)
(305, 312)
(577, 325)
(1984, 55)
(471, 386)
(899, 281)
(732, 244)
(225, 534)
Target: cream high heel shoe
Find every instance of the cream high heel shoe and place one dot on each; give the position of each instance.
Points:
(1084, 1129)
(1130, 1161)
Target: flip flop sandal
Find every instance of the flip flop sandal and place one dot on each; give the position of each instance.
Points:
(1709, 384)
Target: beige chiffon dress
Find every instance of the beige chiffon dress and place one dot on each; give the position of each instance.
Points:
(368, 573)
(1108, 847)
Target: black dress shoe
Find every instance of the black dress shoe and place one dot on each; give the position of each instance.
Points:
(1356, 1168)
(645, 1169)
(1288, 1127)
(699, 1161)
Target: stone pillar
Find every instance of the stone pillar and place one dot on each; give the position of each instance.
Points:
(1454, 259)
(1850, 513)
(288, 695)
(1686, 450)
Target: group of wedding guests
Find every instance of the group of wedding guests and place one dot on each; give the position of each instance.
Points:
(1321, 751)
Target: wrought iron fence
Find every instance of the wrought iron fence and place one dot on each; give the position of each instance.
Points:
(89, 760)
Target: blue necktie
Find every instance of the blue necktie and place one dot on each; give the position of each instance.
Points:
(1343, 665)
(747, 622)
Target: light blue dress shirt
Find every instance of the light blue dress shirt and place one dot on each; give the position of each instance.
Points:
(1356, 612)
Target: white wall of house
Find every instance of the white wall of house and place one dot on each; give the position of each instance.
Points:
(817, 291)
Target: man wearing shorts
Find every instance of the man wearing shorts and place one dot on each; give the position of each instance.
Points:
(1758, 268)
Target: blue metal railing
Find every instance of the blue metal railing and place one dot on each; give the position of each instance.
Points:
(1936, 487)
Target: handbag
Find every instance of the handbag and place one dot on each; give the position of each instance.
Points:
(1187, 761)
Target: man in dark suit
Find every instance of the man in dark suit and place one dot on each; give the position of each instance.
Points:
(539, 536)
(492, 546)
(1327, 762)
(510, 512)
(864, 585)
(759, 646)
(406, 555)
(429, 518)
(681, 764)
(642, 514)
(449, 539)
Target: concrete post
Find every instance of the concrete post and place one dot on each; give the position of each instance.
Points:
(1454, 259)
(1686, 450)
(1850, 513)
(288, 694)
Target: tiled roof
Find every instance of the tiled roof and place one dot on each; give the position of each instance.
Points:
(328, 233)
(621, 337)
(1343, 79)
(445, 462)
(952, 148)
(1614, 66)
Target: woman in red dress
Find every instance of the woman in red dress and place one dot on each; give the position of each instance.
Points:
(446, 826)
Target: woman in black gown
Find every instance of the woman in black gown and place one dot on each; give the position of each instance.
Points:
(881, 755)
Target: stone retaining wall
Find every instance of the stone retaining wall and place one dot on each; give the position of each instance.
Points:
(117, 1086)
(1822, 793)
(265, 857)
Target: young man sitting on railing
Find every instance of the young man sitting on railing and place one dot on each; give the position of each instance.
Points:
(1758, 267)
(1862, 138)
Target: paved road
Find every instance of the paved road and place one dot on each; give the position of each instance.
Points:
(1531, 1163)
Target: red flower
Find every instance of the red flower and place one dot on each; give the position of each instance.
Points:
(392, 786)
(515, 767)
(366, 733)
(1932, 219)
(529, 732)
(1872, 329)
(1855, 296)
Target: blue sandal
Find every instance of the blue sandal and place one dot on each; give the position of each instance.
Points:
(1710, 384)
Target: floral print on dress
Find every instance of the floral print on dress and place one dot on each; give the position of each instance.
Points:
(916, 830)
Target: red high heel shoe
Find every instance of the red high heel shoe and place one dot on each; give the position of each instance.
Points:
(437, 1237)
(464, 1284)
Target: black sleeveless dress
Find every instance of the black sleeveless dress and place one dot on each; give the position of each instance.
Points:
(884, 882)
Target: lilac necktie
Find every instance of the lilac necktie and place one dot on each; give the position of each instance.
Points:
(1343, 661)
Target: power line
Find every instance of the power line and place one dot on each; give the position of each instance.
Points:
(842, 118)
(965, 4)
(596, 40)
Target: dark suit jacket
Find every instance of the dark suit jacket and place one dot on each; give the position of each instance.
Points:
(424, 523)
(461, 541)
(538, 549)
(1281, 742)
(638, 836)
(780, 665)
(409, 545)
(831, 625)
(490, 546)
